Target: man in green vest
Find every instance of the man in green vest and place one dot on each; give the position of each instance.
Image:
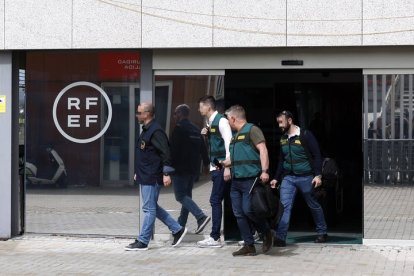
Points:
(218, 133)
(249, 162)
(300, 168)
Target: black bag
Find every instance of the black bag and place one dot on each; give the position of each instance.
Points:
(264, 202)
(330, 169)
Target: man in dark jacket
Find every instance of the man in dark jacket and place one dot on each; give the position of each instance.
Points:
(187, 146)
(152, 171)
(300, 168)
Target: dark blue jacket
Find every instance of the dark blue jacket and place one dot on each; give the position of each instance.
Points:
(151, 157)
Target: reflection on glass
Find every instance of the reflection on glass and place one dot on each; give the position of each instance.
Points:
(91, 169)
(171, 91)
(388, 156)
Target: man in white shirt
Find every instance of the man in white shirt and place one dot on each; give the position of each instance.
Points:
(219, 135)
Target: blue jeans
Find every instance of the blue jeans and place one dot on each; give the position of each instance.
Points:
(241, 204)
(290, 185)
(216, 199)
(151, 211)
(183, 190)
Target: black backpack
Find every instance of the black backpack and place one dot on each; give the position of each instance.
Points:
(330, 170)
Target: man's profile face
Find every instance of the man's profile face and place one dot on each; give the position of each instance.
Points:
(203, 109)
(232, 121)
(141, 114)
(284, 123)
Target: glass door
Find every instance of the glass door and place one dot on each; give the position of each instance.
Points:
(117, 147)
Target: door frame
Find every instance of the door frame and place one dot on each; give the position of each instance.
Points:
(131, 137)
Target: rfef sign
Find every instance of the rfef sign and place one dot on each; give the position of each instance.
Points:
(81, 112)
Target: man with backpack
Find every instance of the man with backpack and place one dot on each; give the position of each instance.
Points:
(300, 168)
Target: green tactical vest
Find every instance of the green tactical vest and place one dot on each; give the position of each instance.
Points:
(217, 149)
(295, 159)
(245, 159)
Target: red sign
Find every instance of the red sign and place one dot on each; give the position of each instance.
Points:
(116, 66)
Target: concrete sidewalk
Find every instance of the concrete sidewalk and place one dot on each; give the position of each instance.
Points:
(51, 255)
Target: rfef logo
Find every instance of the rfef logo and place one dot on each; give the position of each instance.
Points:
(79, 112)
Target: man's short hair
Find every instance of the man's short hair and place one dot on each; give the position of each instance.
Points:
(183, 109)
(208, 100)
(237, 111)
(148, 107)
(285, 113)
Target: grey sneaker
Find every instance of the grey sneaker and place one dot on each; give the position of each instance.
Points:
(256, 238)
(136, 246)
(178, 237)
(202, 223)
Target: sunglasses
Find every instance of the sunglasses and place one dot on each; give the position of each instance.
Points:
(139, 113)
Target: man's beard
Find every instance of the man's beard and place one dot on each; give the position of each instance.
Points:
(286, 129)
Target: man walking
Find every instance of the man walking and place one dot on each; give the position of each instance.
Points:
(300, 167)
(249, 161)
(153, 168)
(187, 146)
(219, 135)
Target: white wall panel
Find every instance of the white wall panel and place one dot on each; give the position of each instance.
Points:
(388, 22)
(1, 24)
(324, 23)
(106, 24)
(271, 58)
(178, 23)
(6, 144)
(40, 24)
(246, 23)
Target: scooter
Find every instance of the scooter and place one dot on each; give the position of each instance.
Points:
(59, 177)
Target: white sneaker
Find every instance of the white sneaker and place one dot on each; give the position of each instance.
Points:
(209, 242)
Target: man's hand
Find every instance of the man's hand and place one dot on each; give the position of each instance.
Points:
(227, 175)
(226, 162)
(317, 181)
(273, 183)
(166, 179)
(264, 177)
(204, 131)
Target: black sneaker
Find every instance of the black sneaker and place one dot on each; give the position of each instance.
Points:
(278, 242)
(136, 246)
(202, 223)
(178, 237)
(321, 238)
(247, 250)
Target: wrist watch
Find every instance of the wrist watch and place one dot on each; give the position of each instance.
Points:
(265, 171)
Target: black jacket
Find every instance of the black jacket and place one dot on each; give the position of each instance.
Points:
(187, 148)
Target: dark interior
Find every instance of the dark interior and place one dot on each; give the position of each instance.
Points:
(327, 102)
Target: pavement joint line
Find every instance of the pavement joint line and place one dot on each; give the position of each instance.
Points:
(113, 239)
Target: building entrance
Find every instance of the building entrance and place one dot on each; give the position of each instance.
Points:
(327, 102)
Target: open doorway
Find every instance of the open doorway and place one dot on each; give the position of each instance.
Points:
(327, 102)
